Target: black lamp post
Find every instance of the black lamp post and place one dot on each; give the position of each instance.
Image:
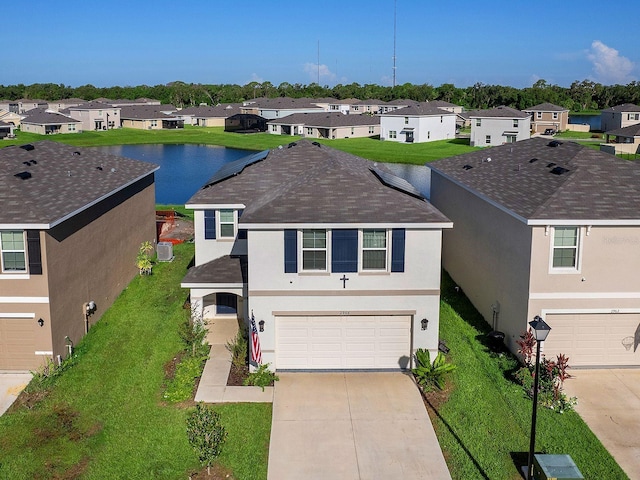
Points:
(540, 331)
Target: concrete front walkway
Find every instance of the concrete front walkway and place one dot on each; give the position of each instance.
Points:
(609, 403)
(11, 384)
(352, 426)
(213, 383)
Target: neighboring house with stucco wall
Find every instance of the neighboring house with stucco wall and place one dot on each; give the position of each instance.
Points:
(337, 259)
(71, 226)
(149, 117)
(328, 125)
(550, 229)
(95, 115)
(44, 122)
(548, 115)
(418, 123)
(620, 116)
(499, 125)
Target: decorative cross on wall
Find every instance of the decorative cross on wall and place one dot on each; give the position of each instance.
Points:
(344, 281)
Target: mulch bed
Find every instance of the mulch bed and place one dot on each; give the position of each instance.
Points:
(218, 472)
(237, 375)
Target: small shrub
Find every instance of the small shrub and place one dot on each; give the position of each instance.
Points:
(428, 374)
(206, 434)
(180, 388)
(239, 348)
(193, 331)
(262, 377)
(143, 260)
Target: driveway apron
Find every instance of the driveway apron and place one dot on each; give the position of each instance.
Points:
(352, 426)
(609, 403)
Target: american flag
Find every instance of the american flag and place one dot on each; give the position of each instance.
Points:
(256, 353)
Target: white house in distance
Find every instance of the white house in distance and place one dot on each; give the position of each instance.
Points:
(326, 125)
(333, 281)
(499, 125)
(417, 123)
(620, 116)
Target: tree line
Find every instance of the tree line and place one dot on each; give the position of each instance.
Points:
(579, 96)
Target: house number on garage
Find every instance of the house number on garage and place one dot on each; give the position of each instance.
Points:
(344, 313)
(615, 310)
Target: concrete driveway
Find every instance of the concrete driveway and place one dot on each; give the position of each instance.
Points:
(609, 402)
(352, 426)
(11, 384)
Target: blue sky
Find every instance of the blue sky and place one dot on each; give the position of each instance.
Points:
(134, 42)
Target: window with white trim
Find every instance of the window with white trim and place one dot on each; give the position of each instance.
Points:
(314, 249)
(478, 122)
(309, 130)
(12, 247)
(274, 128)
(406, 120)
(392, 134)
(565, 247)
(555, 115)
(538, 115)
(227, 224)
(71, 127)
(487, 139)
(374, 249)
(515, 123)
(371, 130)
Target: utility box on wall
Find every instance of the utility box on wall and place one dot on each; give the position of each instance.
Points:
(555, 467)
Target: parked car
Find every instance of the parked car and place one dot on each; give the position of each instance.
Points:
(549, 131)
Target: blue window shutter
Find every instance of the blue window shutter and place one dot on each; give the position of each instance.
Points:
(397, 250)
(33, 248)
(242, 233)
(209, 224)
(344, 251)
(290, 251)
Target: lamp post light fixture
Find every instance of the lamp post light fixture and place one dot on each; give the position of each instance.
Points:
(540, 330)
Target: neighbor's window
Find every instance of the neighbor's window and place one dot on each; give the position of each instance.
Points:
(406, 120)
(274, 128)
(555, 115)
(478, 122)
(71, 127)
(309, 131)
(539, 114)
(227, 224)
(371, 130)
(314, 249)
(565, 247)
(13, 252)
(487, 139)
(392, 134)
(374, 249)
(515, 123)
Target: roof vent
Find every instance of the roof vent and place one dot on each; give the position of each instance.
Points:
(99, 168)
(292, 144)
(533, 160)
(28, 147)
(559, 170)
(77, 153)
(23, 175)
(549, 165)
(317, 144)
(467, 167)
(554, 143)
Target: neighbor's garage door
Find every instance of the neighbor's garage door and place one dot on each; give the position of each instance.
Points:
(594, 339)
(359, 342)
(16, 344)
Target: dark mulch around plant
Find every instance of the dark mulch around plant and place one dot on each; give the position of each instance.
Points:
(434, 399)
(28, 399)
(237, 375)
(218, 472)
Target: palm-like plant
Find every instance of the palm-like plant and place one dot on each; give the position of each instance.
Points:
(428, 374)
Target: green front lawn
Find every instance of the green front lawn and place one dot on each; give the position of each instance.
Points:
(484, 426)
(104, 417)
(370, 148)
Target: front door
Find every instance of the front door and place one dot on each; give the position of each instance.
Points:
(409, 137)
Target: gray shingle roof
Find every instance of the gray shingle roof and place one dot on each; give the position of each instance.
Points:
(546, 107)
(224, 270)
(222, 111)
(42, 117)
(625, 107)
(629, 131)
(419, 109)
(311, 183)
(92, 105)
(326, 119)
(62, 182)
(143, 112)
(595, 185)
(499, 112)
(280, 103)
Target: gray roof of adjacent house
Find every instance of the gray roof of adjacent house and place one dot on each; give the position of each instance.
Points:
(92, 105)
(144, 112)
(309, 183)
(44, 185)
(536, 180)
(630, 131)
(420, 110)
(281, 103)
(223, 110)
(546, 107)
(326, 120)
(625, 107)
(43, 117)
(498, 112)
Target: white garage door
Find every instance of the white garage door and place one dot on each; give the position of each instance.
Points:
(594, 339)
(345, 342)
(16, 344)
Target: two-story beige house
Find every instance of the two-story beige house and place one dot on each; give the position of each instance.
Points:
(95, 115)
(71, 223)
(550, 229)
(547, 116)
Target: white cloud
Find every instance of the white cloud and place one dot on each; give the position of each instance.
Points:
(255, 78)
(609, 66)
(325, 74)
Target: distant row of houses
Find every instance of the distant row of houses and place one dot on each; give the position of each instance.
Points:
(403, 121)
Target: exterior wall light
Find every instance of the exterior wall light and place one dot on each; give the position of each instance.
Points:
(261, 325)
(425, 323)
(41, 322)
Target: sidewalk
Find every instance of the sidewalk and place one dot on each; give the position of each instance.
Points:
(213, 383)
